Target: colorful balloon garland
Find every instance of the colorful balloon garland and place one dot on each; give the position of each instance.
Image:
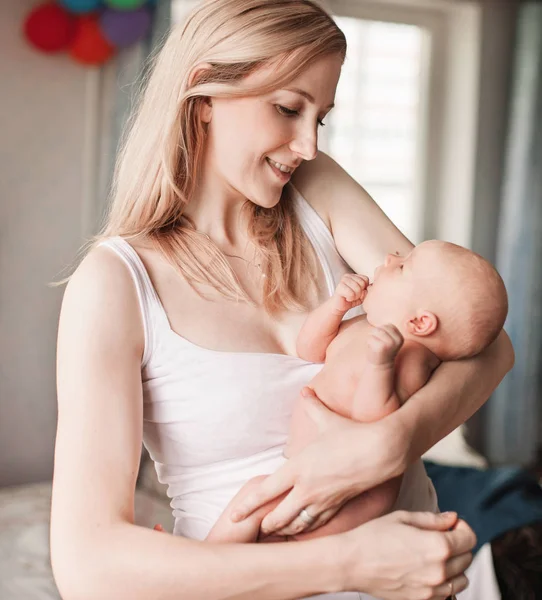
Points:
(91, 31)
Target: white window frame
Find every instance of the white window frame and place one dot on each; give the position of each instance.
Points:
(449, 119)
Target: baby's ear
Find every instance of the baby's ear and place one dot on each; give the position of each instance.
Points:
(424, 323)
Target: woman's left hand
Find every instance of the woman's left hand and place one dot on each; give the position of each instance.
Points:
(346, 459)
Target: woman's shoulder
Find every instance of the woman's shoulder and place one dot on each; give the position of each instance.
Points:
(101, 269)
(101, 294)
(308, 180)
(327, 187)
(362, 232)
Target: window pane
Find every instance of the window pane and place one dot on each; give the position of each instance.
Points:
(373, 131)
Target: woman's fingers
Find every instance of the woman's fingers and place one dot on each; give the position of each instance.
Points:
(461, 539)
(457, 565)
(276, 484)
(298, 526)
(428, 520)
(286, 516)
(459, 584)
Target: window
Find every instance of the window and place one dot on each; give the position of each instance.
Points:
(374, 130)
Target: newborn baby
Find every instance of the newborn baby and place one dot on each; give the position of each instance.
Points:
(441, 302)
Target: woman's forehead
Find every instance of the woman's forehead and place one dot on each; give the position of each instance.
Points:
(317, 83)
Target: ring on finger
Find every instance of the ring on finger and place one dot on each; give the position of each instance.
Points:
(306, 517)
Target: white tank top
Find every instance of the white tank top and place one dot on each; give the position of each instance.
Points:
(211, 419)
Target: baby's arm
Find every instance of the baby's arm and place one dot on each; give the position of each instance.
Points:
(322, 325)
(375, 396)
(248, 530)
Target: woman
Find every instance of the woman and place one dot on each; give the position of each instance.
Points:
(182, 323)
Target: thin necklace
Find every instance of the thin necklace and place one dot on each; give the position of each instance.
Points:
(249, 262)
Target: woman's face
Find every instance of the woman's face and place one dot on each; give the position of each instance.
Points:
(245, 134)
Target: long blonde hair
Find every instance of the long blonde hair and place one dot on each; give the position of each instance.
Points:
(161, 153)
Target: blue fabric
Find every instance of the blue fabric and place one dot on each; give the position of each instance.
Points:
(491, 501)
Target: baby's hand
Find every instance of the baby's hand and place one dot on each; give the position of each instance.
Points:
(350, 292)
(384, 344)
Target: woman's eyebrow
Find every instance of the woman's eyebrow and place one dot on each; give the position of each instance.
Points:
(306, 95)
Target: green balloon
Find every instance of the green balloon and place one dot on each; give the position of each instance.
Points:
(125, 4)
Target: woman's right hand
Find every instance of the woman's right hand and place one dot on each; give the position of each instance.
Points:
(408, 556)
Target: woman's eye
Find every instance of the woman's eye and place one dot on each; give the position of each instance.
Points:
(290, 112)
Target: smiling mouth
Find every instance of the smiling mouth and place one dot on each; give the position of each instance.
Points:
(284, 177)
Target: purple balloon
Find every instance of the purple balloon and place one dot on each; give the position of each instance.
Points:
(123, 28)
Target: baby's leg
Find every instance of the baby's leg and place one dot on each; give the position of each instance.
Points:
(375, 396)
(246, 531)
(367, 506)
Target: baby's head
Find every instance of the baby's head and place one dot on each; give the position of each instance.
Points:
(442, 295)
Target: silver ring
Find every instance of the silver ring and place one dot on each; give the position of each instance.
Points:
(304, 516)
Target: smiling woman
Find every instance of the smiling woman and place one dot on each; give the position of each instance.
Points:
(169, 334)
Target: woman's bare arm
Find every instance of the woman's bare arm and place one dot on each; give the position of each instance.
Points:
(454, 393)
(364, 236)
(97, 551)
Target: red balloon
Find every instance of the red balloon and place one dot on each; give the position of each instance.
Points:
(89, 45)
(49, 27)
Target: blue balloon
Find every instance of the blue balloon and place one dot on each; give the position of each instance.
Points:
(81, 6)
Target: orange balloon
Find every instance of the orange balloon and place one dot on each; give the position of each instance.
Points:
(89, 46)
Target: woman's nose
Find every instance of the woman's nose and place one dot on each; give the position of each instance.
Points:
(305, 143)
(389, 259)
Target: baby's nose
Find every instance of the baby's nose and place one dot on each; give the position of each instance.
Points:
(388, 260)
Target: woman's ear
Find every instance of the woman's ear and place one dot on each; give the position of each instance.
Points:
(206, 103)
(423, 324)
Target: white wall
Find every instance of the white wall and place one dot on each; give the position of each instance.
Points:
(42, 122)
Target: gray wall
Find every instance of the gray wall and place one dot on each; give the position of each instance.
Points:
(42, 121)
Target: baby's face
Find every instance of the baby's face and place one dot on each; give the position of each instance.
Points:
(401, 286)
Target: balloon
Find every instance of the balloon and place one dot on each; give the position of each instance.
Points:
(49, 28)
(81, 6)
(124, 4)
(123, 28)
(89, 45)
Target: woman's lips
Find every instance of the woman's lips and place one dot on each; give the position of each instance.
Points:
(284, 177)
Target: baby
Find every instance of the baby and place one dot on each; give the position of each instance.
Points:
(441, 302)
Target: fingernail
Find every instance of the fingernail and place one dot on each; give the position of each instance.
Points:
(447, 514)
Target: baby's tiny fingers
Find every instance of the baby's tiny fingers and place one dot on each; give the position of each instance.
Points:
(391, 333)
(362, 280)
(381, 334)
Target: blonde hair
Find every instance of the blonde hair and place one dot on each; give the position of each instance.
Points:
(160, 158)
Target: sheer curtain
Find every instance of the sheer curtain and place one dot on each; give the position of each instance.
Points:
(514, 414)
